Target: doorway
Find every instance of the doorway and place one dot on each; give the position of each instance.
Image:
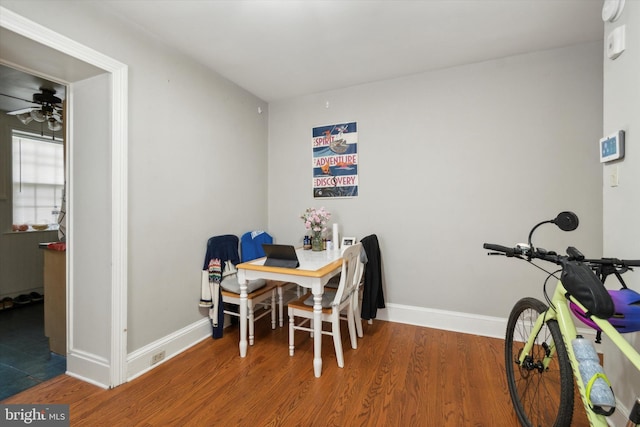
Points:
(33, 314)
(29, 45)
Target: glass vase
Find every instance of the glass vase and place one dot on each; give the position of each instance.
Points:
(316, 241)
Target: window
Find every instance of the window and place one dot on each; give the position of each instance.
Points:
(38, 178)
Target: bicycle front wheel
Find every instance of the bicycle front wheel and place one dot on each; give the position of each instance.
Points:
(541, 391)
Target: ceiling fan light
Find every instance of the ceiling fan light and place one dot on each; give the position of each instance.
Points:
(54, 125)
(38, 116)
(25, 118)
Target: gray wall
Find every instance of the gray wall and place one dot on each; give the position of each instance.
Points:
(451, 159)
(622, 203)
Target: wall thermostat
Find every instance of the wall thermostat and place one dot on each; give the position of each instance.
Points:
(612, 147)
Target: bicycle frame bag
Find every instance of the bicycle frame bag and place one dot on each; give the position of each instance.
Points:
(582, 283)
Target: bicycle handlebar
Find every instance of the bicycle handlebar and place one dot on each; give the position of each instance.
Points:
(499, 248)
(550, 256)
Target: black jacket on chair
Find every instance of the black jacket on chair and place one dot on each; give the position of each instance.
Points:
(372, 295)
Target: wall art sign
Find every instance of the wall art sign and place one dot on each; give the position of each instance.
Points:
(335, 160)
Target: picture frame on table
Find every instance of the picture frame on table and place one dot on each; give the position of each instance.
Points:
(348, 241)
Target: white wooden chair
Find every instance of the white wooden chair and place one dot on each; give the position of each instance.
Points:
(282, 288)
(220, 287)
(261, 294)
(333, 302)
(357, 295)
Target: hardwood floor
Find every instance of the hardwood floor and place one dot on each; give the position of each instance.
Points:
(400, 375)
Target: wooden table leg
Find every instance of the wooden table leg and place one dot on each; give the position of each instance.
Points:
(243, 313)
(317, 334)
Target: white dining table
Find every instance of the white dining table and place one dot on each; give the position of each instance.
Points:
(315, 270)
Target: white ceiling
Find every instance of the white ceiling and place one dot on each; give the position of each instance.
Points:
(281, 49)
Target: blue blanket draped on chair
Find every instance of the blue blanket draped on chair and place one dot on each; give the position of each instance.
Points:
(223, 248)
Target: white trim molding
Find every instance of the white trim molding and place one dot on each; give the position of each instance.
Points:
(445, 320)
(467, 323)
(89, 368)
(119, 249)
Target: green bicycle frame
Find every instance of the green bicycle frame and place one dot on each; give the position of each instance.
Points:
(560, 312)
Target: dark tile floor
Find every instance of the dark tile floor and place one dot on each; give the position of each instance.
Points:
(25, 359)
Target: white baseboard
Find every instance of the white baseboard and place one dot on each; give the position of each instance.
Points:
(139, 361)
(446, 320)
(88, 367)
(476, 324)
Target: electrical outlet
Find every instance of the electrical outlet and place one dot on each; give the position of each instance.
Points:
(157, 357)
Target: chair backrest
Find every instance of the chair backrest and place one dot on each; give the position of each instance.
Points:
(349, 276)
(359, 275)
(251, 244)
(224, 248)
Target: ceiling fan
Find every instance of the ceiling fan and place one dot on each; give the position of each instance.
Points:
(47, 108)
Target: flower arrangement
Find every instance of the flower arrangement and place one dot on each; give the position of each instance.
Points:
(315, 220)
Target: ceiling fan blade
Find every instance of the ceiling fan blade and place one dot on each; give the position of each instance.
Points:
(19, 99)
(22, 111)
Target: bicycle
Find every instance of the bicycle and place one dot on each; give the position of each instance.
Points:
(540, 358)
